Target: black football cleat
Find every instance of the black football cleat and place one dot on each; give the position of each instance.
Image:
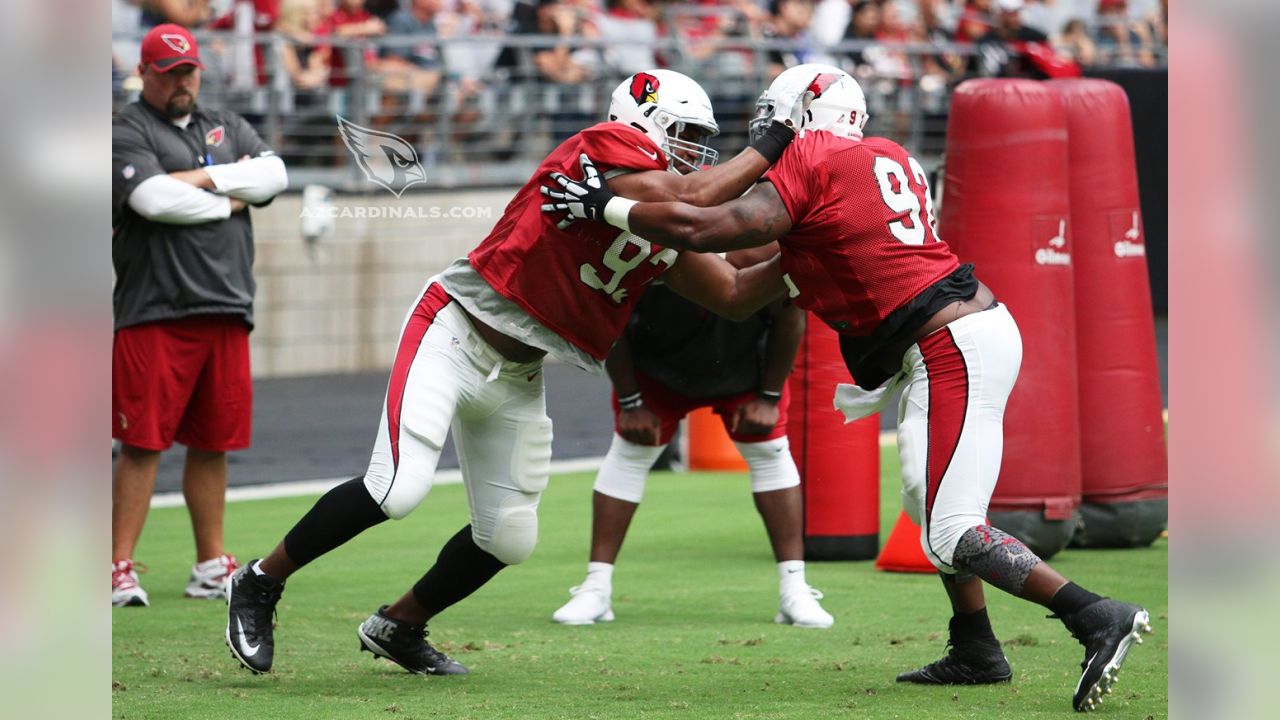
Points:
(1107, 629)
(405, 645)
(251, 605)
(968, 662)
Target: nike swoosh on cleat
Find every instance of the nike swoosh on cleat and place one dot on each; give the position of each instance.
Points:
(245, 648)
(1084, 672)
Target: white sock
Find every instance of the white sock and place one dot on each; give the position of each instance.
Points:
(257, 568)
(599, 574)
(791, 575)
(209, 564)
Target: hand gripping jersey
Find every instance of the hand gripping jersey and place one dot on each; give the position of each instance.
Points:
(863, 252)
(581, 282)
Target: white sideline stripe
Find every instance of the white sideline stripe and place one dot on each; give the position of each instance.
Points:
(888, 438)
(320, 486)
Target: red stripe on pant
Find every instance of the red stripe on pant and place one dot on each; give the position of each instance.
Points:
(432, 301)
(948, 376)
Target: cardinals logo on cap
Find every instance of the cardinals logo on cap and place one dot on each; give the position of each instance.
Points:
(644, 88)
(386, 159)
(177, 42)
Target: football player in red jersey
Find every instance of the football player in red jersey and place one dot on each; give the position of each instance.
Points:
(470, 356)
(674, 358)
(859, 247)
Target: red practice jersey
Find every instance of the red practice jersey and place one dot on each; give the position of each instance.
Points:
(863, 240)
(580, 282)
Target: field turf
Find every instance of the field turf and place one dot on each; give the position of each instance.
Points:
(694, 593)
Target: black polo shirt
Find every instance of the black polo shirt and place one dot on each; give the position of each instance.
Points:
(166, 271)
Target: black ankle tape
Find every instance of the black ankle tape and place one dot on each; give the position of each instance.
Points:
(339, 515)
(974, 626)
(1071, 598)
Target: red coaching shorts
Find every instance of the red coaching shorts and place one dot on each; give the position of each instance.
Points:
(184, 380)
(671, 407)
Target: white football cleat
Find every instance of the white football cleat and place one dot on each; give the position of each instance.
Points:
(590, 604)
(800, 607)
(125, 591)
(209, 578)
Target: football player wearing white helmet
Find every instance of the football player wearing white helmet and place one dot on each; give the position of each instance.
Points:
(854, 219)
(674, 111)
(840, 108)
(469, 363)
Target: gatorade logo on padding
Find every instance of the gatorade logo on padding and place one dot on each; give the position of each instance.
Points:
(1126, 228)
(1049, 240)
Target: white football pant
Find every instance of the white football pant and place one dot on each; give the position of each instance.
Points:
(445, 376)
(951, 426)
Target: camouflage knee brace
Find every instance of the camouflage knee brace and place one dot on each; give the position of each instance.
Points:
(995, 556)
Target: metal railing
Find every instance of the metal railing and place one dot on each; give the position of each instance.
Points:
(493, 113)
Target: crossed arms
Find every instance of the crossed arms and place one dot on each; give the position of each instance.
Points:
(190, 197)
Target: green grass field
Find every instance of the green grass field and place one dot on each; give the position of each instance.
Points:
(694, 593)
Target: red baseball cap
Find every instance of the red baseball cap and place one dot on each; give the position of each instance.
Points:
(167, 46)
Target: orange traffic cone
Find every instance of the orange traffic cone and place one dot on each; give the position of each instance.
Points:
(903, 553)
(710, 447)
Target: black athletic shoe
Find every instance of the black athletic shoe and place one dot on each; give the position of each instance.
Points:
(1107, 629)
(251, 603)
(405, 645)
(967, 662)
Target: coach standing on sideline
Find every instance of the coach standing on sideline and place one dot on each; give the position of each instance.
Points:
(182, 248)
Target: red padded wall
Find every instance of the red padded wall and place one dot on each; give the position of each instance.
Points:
(1122, 446)
(839, 464)
(1006, 209)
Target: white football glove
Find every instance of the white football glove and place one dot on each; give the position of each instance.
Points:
(581, 199)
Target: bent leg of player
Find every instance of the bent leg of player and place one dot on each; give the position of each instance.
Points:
(421, 397)
(951, 440)
(503, 437)
(618, 490)
(775, 488)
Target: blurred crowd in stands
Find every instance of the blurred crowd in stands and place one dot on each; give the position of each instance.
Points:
(472, 56)
(1105, 32)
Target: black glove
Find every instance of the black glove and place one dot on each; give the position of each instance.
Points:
(581, 199)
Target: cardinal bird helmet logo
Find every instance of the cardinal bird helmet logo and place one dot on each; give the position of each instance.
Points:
(644, 88)
(177, 42)
(821, 82)
(386, 159)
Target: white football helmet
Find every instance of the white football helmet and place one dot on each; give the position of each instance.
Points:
(663, 104)
(838, 104)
